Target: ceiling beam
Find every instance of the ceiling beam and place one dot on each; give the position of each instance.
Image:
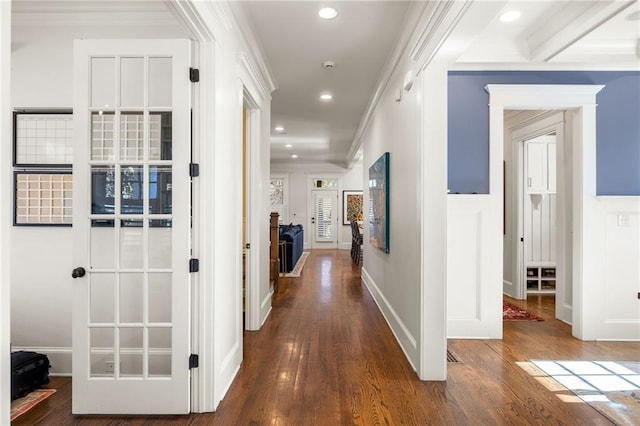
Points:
(568, 24)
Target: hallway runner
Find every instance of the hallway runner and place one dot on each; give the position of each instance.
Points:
(297, 270)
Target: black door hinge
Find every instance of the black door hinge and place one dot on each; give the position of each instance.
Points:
(194, 75)
(194, 169)
(193, 361)
(194, 265)
(247, 246)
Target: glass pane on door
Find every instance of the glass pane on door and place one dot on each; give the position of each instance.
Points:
(131, 234)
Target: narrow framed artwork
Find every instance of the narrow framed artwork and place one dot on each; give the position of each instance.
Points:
(42, 138)
(351, 207)
(379, 207)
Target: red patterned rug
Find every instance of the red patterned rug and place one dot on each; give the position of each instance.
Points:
(30, 400)
(513, 313)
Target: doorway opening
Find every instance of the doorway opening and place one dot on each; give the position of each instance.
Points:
(250, 235)
(535, 149)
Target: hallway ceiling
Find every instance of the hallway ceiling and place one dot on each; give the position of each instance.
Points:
(296, 42)
(572, 35)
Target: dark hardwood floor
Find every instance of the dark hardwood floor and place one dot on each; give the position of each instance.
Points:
(326, 356)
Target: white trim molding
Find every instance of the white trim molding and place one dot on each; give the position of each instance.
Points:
(542, 96)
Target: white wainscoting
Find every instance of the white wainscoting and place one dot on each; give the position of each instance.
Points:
(619, 251)
(474, 275)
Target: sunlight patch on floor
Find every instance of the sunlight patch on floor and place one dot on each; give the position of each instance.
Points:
(589, 380)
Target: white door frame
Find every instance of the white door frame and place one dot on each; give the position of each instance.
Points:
(581, 99)
(311, 208)
(221, 86)
(5, 210)
(312, 221)
(252, 197)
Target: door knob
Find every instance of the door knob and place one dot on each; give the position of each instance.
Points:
(78, 272)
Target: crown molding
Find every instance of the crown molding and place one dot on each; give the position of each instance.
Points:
(569, 24)
(441, 19)
(251, 59)
(191, 20)
(93, 19)
(412, 18)
(545, 66)
(427, 26)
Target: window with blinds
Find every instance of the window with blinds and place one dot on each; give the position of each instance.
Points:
(324, 215)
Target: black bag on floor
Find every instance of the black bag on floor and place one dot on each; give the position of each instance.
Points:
(29, 371)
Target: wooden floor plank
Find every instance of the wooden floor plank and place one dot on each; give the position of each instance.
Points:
(326, 356)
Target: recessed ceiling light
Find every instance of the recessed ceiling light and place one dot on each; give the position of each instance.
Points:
(288, 145)
(510, 16)
(327, 13)
(294, 155)
(326, 96)
(279, 129)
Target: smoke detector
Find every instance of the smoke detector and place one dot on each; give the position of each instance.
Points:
(328, 64)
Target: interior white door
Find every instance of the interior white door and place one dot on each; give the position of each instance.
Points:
(131, 227)
(539, 211)
(324, 221)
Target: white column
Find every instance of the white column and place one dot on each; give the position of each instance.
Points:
(433, 293)
(588, 235)
(5, 210)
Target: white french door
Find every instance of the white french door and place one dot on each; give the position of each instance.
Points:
(324, 222)
(131, 227)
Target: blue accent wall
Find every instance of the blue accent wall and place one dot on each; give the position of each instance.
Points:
(617, 124)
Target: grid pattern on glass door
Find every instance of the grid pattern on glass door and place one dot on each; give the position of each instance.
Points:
(130, 249)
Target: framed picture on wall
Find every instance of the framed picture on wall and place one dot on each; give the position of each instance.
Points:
(351, 206)
(42, 138)
(379, 203)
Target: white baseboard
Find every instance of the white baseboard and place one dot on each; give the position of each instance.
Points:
(265, 308)
(402, 334)
(59, 358)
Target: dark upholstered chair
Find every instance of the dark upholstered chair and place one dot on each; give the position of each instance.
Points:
(356, 243)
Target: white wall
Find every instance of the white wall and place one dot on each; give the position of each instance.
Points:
(42, 63)
(5, 211)
(394, 278)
